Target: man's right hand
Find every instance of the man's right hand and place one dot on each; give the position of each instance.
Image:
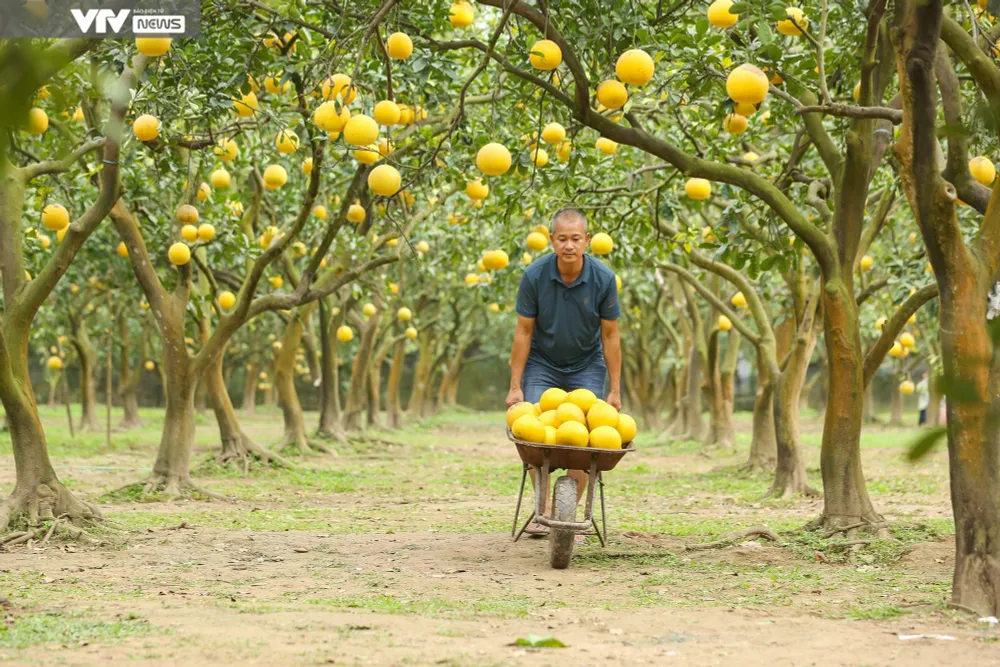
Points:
(514, 396)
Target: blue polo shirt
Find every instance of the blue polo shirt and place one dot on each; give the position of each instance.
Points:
(567, 334)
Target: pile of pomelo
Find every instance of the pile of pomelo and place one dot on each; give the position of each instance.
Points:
(576, 419)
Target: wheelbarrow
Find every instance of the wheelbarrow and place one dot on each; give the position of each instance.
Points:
(563, 526)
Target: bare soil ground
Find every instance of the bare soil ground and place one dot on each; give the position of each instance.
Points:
(397, 552)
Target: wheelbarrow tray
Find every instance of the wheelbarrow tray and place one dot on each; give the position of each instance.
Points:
(569, 458)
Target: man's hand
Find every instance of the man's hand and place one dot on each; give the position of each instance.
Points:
(614, 400)
(514, 396)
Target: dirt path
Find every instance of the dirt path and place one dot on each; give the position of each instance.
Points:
(399, 556)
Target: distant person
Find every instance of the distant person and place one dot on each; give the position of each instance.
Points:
(567, 327)
(923, 398)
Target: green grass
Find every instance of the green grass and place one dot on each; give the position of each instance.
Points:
(59, 627)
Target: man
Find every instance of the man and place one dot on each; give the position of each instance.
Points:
(567, 325)
(923, 398)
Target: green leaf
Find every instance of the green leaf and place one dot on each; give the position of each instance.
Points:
(923, 445)
(764, 34)
(535, 641)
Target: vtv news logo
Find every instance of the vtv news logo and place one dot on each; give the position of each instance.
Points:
(101, 20)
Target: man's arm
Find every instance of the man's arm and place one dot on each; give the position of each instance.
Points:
(519, 357)
(613, 359)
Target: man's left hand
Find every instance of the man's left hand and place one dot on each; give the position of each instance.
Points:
(614, 400)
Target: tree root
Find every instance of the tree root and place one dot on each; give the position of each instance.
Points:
(360, 437)
(172, 486)
(327, 434)
(244, 450)
(849, 526)
(305, 445)
(784, 492)
(729, 538)
(45, 502)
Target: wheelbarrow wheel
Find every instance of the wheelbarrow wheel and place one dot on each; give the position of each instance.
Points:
(564, 509)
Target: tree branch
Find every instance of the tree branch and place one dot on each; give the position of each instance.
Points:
(851, 111)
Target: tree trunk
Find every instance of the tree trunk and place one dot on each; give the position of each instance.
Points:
(896, 397)
(868, 410)
(374, 392)
(421, 373)
(284, 379)
(693, 424)
(128, 379)
(172, 470)
(790, 471)
(845, 498)
(88, 389)
(249, 405)
(359, 375)
(725, 431)
(330, 424)
(38, 494)
(53, 397)
(393, 405)
(236, 447)
(763, 446)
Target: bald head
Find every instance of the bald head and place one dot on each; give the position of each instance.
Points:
(570, 217)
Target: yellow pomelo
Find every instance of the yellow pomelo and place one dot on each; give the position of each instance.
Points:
(150, 365)
(605, 437)
(246, 106)
(339, 85)
(982, 169)
(329, 119)
(602, 414)
(410, 333)
(550, 435)
(906, 387)
(553, 133)
(189, 233)
(570, 412)
(386, 113)
(747, 84)
(55, 217)
(867, 262)
(461, 14)
(906, 339)
(493, 159)
(54, 363)
(152, 46)
(572, 434)
(361, 130)
(634, 67)
(549, 418)
(179, 254)
(471, 279)
(612, 94)
(384, 180)
(38, 121)
(518, 409)
(368, 309)
(404, 314)
(606, 146)
(582, 398)
(545, 55)
(275, 176)
(220, 178)
(227, 150)
(601, 244)
(146, 127)
(787, 27)
(734, 123)
(698, 188)
(551, 399)
(626, 428)
(367, 154)
(528, 428)
(540, 157)
(206, 233)
(896, 350)
(344, 333)
(423, 246)
(399, 45)
(720, 16)
(122, 249)
(725, 324)
(537, 241)
(738, 300)
(227, 300)
(476, 189)
(286, 141)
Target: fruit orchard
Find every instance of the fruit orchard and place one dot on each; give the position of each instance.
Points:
(294, 243)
